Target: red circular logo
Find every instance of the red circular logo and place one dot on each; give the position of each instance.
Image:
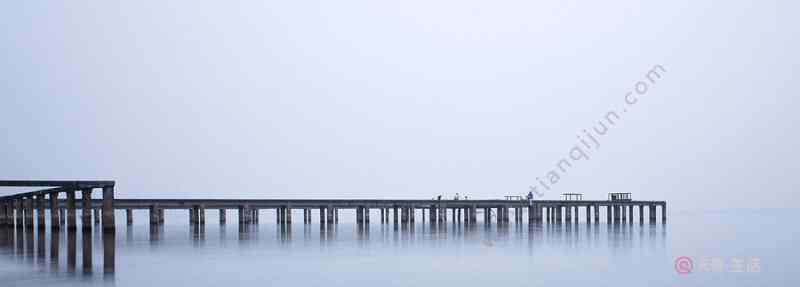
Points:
(684, 265)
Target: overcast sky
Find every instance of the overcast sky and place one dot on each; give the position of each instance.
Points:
(372, 99)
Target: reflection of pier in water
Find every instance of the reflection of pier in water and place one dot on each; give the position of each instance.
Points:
(24, 218)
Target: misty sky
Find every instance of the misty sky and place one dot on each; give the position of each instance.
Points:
(376, 99)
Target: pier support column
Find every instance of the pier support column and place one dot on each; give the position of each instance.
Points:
(568, 215)
(532, 213)
(86, 208)
(558, 214)
(331, 215)
(10, 214)
(3, 218)
(193, 214)
(19, 214)
(473, 214)
(153, 215)
(222, 216)
(55, 220)
(201, 215)
(40, 211)
(4, 214)
(623, 213)
(597, 213)
(96, 216)
(652, 213)
(248, 215)
(547, 213)
(242, 215)
(664, 212)
(366, 215)
(359, 215)
(403, 215)
(382, 218)
(72, 222)
(322, 215)
(630, 214)
(161, 216)
(588, 214)
(27, 204)
(129, 216)
(641, 214)
(432, 214)
(288, 214)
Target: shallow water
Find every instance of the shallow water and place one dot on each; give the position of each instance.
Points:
(759, 243)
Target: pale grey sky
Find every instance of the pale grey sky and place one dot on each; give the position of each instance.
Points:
(406, 100)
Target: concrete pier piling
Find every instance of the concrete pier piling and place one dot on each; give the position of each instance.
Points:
(19, 213)
(96, 216)
(568, 215)
(630, 214)
(588, 214)
(331, 216)
(3, 222)
(153, 215)
(40, 216)
(129, 216)
(596, 210)
(72, 223)
(651, 210)
(193, 216)
(560, 213)
(664, 212)
(641, 214)
(86, 208)
(201, 213)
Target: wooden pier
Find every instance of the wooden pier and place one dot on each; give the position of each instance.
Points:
(59, 200)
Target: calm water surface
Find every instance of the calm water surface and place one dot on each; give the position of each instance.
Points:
(727, 248)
